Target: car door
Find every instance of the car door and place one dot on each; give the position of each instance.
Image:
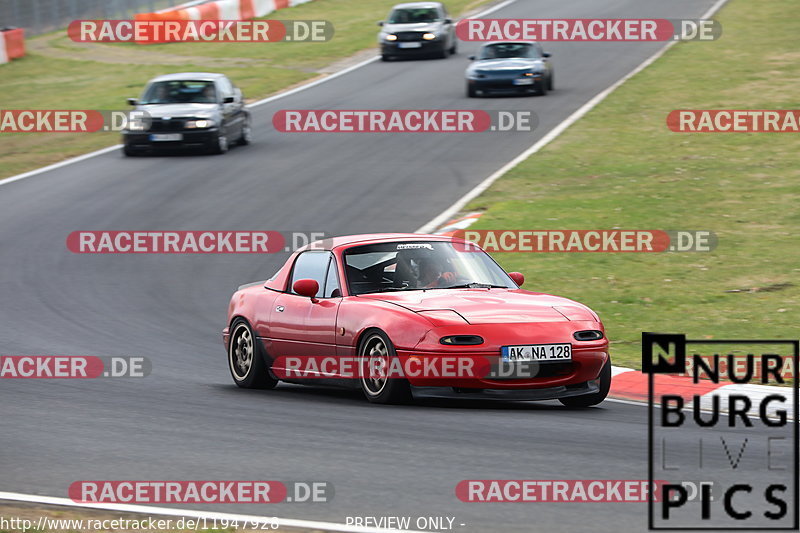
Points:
(449, 28)
(233, 112)
(302, 326)
(543, 57)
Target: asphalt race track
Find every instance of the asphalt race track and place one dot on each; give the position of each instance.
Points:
(187, 420)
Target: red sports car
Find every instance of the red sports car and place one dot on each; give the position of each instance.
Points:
(403, 315)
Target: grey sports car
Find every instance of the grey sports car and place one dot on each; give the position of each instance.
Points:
(510, 67)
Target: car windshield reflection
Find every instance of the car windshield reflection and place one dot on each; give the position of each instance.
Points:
(401, 266)
(180, 92)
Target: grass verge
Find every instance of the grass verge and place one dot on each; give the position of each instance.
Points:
(620, 167)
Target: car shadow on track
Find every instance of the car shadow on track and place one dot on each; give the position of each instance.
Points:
(341, 396)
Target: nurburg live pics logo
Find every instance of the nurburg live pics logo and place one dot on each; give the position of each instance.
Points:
(745, 461)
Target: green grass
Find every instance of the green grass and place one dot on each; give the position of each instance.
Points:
(621, 167)
(60, 74)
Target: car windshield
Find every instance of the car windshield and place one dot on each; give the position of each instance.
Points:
(180, 92)
(411, 16)
(410, 265)
(508, 50)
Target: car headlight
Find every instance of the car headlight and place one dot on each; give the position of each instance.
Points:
(429, 36)
(391, 37)
(199, 124)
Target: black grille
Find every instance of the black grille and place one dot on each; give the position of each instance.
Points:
(407, 36)
(173, 124)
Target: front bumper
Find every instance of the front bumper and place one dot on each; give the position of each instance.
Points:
(190, 139)
(505, 85)
(550, 393)
(425, 48)
(585, 366)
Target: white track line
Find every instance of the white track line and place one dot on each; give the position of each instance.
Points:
(167, 511)
(278, 96)
(552, 134)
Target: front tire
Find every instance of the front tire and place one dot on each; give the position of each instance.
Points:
(377, 351)
(471, 92)
(128, 151)
(541, 88)
(247, 133)
(246, 359)
(587, 400)
(221, 144)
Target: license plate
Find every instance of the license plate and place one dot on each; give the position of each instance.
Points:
(409, 45)
(523, 81)
(536, 352)
(160, 137)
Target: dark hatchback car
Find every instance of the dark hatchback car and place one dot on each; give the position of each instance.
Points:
(417, 29)
(188, 110)
(510, 67)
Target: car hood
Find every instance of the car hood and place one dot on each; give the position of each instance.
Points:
(419, 26)
(494, 306)
(505, 64)
(178, 110)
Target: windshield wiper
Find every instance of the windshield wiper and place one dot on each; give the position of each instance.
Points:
(474, 285)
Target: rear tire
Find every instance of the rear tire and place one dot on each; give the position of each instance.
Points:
(374, 349)
(246, 359)
(587, 400)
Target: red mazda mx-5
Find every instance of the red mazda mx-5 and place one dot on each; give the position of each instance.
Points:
(400, 315)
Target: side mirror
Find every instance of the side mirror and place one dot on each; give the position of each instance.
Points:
(380, 23)
(472, 58)
(448, 21)
(518, 278)
(545, 54)
(229, 100)
(306, 287)
(132, 101)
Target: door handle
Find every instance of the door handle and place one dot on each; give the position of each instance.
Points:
(280, 308)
